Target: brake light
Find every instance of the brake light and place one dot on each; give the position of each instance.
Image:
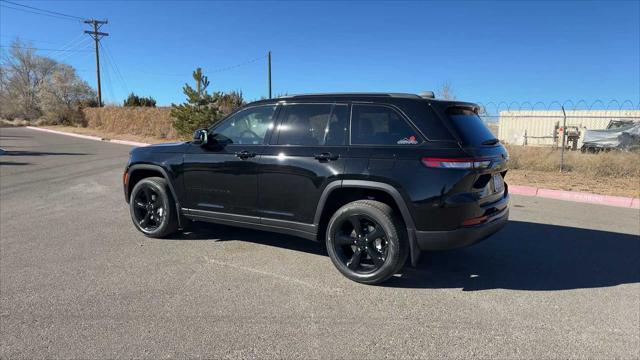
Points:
(456, 163)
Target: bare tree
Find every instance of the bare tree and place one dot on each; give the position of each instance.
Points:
(61, 94)
(24, 72)
(446, 91)
(31, 84)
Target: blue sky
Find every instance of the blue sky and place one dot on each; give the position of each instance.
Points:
(488, 51)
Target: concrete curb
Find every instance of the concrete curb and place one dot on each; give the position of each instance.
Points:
(574, 196)
(89, 137)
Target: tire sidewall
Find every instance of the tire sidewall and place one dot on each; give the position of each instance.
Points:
(160, 190)
(393, 237)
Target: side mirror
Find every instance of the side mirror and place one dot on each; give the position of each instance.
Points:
(201, 137)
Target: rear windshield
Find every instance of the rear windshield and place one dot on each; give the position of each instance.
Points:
(470, 127)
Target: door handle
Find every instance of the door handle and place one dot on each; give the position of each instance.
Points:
(326, 156)
(245, 154)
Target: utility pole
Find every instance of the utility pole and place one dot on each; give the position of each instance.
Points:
(96, 35)
(564, 133)
(269, 57)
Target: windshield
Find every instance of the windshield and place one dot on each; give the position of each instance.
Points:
(470, 127)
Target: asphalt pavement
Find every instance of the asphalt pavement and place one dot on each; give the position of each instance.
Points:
(562, 280)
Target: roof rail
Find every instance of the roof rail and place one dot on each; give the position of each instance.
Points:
(354, 94)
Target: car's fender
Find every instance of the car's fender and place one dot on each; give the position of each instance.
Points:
(374, 185)
(132, 169)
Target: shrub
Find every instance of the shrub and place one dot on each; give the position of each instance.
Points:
(199, 111)
(135, 100)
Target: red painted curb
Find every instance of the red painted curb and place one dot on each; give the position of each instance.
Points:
(585, 197)
(635, 203)
(89, 137)
(127, 142)
(523, 190)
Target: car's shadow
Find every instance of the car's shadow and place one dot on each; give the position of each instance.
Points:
(523, 256)
(13, 163)
(39, 153)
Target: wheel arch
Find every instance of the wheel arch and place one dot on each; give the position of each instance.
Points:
(138, 172)
(393, 194)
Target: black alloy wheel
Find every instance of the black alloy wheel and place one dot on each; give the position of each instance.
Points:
(149, 211)
(361, 244)
(153, 210)
(366, 241)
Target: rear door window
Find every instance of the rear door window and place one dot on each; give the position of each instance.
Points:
(313, 124)
(380, 125)
(470, 127)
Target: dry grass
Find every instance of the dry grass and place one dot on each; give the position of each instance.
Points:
(147, 122)
(610, 173)
(605, 164)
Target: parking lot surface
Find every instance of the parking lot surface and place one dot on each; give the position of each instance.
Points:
(78, 281)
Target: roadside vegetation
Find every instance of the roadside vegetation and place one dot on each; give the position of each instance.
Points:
(34, 87)
(609, 173)
(134, 100)
(37, 90)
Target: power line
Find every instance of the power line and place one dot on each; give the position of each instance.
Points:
(112, 60)
(114, 67)
(13, 38)
(39, 11)
(214, 71)
(79, 58)
(83, 44)
(42, 49)
(109, 84)
(236, 66)
(2, 5)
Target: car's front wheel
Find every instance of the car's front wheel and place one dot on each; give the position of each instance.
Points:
(152, 208)
(366, 241)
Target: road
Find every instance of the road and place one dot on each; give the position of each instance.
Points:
(78, 281)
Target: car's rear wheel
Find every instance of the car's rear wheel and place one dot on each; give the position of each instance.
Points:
(152, 208)
(366, 241)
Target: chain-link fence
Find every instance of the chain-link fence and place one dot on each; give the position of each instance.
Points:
(589, 128)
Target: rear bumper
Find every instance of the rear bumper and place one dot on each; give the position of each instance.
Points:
(465, 236)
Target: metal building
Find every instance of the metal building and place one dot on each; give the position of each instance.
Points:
(543, 127)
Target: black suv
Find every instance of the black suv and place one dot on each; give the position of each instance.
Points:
(379, 177)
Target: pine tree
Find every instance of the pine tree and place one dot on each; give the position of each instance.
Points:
(199, 111)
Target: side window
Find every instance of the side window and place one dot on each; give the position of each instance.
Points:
(380, 125)
(313, 124)
(247, 127)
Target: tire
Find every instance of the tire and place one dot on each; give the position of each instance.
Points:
(151, 200)
(358, 249)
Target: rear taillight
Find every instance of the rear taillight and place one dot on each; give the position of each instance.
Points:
(456, 163)
(474, 221)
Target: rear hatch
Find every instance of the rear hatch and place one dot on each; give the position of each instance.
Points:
(486, 151)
